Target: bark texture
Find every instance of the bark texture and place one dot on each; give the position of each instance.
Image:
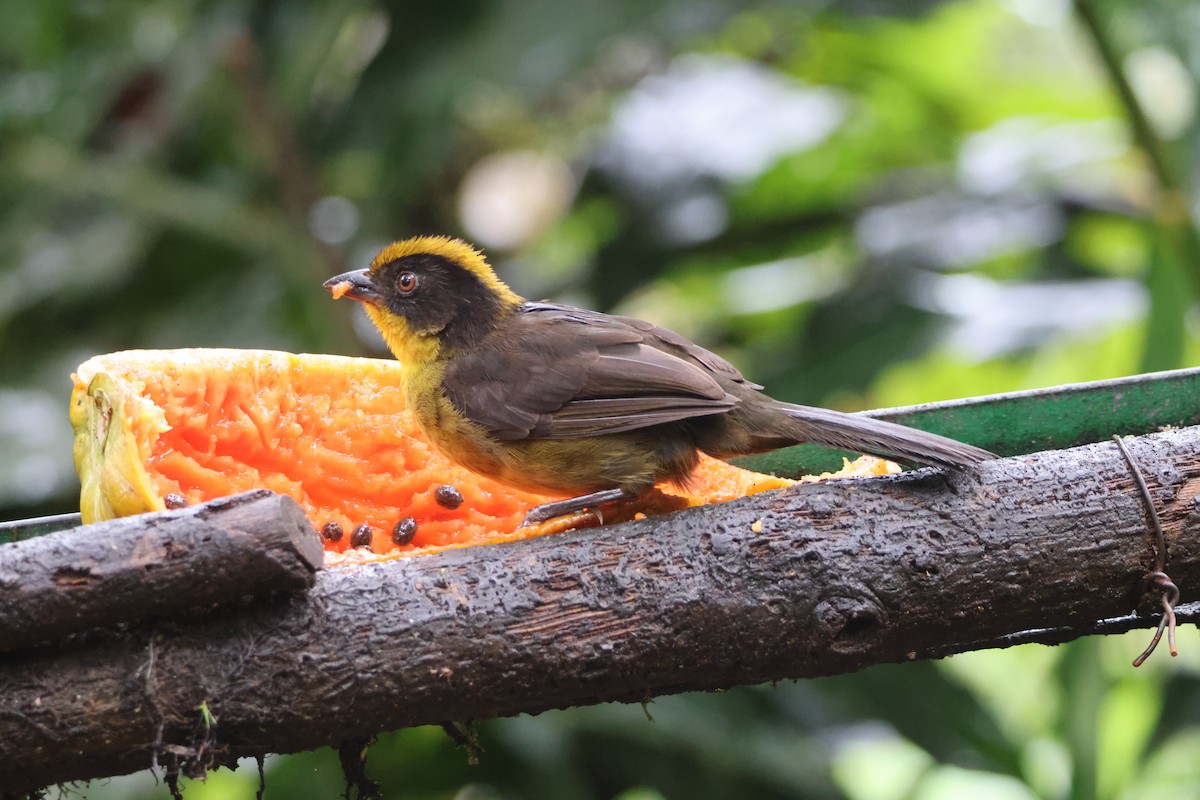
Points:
(812, 580)
(167, 565)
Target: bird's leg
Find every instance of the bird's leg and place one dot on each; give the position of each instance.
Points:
(572, 504)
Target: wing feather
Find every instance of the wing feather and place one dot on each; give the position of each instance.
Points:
(621, 414)
(580, 373)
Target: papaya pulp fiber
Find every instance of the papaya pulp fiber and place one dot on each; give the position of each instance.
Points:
(331, 432)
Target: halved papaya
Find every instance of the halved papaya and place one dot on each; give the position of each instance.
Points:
(330, 431)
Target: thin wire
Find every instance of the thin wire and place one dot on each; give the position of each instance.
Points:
(1168, 591)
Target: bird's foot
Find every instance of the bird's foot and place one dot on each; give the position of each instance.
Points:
(575, 521)
(572, 505)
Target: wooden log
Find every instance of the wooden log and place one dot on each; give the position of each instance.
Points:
(166, 565)
(812, 580)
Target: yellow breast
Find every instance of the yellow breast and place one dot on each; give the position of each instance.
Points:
(457, 437)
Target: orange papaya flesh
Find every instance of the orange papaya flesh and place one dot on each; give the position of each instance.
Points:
(332, 432)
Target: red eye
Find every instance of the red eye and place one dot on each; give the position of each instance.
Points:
(406, 283)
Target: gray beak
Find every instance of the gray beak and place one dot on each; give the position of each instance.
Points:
(356, 285)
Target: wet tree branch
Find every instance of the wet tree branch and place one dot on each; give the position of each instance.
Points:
(814, 580)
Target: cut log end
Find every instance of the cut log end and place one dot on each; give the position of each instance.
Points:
(167, 565)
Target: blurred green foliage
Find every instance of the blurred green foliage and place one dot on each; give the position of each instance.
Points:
(861, 204)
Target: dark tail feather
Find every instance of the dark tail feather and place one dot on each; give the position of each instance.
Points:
(867, 435)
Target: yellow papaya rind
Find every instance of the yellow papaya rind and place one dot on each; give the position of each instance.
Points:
(113, 481)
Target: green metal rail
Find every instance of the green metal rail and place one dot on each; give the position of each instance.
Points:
(1027, 422)
(20, 529)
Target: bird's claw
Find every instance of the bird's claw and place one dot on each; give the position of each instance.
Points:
(574, 520)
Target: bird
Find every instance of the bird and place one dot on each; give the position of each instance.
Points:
(580, 404)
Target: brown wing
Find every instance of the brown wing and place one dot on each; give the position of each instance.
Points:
(580, 373)
(686, 349)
